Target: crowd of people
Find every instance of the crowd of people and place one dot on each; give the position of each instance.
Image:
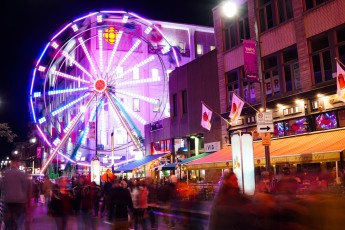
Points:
(129, 203)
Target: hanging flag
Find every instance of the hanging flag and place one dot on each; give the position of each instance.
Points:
(206, 117)
(236, 108)
(251, 71)
(340, 83)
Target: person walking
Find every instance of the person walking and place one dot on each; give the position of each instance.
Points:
(120, 201)
(230, 207)
(15, 195)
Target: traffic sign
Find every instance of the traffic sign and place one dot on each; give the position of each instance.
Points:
(263, 118)
(266, 139)
(264, 121)
(268, 128)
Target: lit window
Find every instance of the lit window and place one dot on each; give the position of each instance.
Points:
(135, 73)
(154, 73)
(212, 48)
(182, 47)
(136, 105)
(199, 49)
(119, 72)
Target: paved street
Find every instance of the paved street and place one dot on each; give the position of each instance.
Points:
(40, 220)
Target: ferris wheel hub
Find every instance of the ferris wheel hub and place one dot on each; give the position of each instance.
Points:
(100, 85)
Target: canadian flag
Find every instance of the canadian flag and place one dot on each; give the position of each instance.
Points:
(236, 108)
(206, 117)
(340, 83)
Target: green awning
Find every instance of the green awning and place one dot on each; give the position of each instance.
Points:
(172, 166)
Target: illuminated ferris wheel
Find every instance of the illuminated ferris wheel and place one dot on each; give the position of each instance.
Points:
(98, 81)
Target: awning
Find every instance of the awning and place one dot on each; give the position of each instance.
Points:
(172, 166)
(129, 167)
(311, 147)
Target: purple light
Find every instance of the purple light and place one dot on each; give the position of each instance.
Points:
(42, 135)
(44, 50)
(86, 16)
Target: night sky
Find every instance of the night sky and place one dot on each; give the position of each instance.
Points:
(27, 26)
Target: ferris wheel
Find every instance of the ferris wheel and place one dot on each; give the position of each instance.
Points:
(98, 81)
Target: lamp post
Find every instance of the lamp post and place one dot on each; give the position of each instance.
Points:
(230, 10)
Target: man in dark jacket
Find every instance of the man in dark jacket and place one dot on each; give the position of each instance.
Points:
(119, 203)
(15, 195)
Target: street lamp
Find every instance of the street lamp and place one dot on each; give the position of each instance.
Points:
(230, 9)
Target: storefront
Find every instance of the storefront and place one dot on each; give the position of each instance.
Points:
(317, 147)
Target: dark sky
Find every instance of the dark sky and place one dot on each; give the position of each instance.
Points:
(27, 26)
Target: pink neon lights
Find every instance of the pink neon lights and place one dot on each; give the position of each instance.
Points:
(65, 137)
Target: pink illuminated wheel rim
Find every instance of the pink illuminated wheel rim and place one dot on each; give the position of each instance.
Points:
(109, 65)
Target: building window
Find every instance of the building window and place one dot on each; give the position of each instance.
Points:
(326, 121)
(278, 129)
(295, 126)
(135, 73)
(156, 106)
(237, 29)
(309, 4)
(340, 35)
(154, 73)
(182, 47)
(292, 80)
(199, 49)
(285, 11)
(212, 48)
(272, 82)
(232, 83)
(184, 102)
(266, 15)
(119, 72)
(136, 105)
(321, 58)
(174, 98)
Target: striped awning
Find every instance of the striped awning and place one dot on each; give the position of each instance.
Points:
(172, 166)
(310, 147)
(129, 167)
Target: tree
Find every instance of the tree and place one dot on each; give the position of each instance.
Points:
(6, 132)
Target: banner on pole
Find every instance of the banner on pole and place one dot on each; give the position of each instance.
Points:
(250, 61)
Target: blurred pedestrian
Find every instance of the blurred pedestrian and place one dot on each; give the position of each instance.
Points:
(61, 203)
(35, 190)
(86, 206)
(230, 207)
(15, 195)
(47, 188)
(120, 201)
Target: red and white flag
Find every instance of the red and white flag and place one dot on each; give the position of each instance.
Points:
(236, 108)
(340, 83)
(206, 117)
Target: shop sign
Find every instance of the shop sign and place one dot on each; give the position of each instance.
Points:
(212, 147)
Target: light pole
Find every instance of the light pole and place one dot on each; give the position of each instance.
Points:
(230, 10)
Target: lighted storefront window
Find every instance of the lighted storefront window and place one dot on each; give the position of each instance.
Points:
(326, 121)
(278, 129)
(295, 126)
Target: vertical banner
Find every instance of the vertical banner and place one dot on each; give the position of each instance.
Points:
(248, 163)
(92, 130)
(237, 158)
(243, 161)
(39, 152)
(250, 61)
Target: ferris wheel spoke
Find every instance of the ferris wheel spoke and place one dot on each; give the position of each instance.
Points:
(67, 76)
(68, 132)
(87, 53)
(116, 45)
(124, 123)
(131, 50)
(100, 43)
(135, 95)
(64, 107)
(72, 60)
(134, 114)
(63, 91)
